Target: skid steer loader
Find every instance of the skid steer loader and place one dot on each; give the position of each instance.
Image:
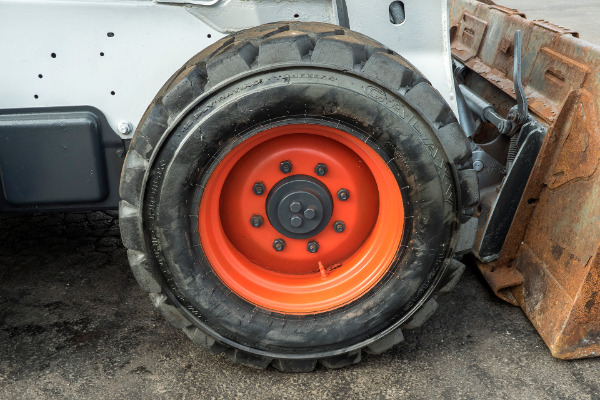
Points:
(300, 182)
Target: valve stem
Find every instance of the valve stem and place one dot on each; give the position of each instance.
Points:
(322, 269)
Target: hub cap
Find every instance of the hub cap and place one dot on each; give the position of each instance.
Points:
(299, 207)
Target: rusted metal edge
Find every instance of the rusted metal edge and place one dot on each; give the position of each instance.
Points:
(550, 262)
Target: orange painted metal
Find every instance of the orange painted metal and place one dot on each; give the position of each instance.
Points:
(550, 262)
(295, 281)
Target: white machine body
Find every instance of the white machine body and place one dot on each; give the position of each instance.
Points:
(116, 55)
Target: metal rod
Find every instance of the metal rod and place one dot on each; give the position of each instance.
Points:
(484, 110)
(465, 116)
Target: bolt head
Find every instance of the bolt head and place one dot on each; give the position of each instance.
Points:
(295, 207)
(278, 244)
(296, 221)
(478, 165)
(339, 226)
(125, 127)
(321, 169)
(256, 221)
(310, 213)
(343, 194)
(312, 246)
(285, 167)
(259, 188)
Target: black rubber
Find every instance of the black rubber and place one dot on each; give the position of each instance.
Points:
(273, 75)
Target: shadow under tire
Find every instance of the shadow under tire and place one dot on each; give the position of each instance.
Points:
(306, 94)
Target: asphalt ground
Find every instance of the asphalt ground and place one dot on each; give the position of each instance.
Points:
(580, 15)
(73, 324)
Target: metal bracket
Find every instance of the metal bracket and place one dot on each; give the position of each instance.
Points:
(498, 218)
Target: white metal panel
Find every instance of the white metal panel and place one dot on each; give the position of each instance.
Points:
(149, 41)
(234, 15)
(423, 38)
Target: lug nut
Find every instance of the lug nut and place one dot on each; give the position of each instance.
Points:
(343, 194)
(310, 212)
(278, 244)
(295, 207)
(339, 226)
(312, 246)
(285, 167)
(321, 169)
(259, 188)
(256, 221)
(296, 221)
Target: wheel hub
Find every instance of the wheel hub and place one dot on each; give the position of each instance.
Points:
(299, 206)
(296, 218)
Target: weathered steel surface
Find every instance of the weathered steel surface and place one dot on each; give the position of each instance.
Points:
(550, 261)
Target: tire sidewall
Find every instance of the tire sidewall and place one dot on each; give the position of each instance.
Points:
(230, 114)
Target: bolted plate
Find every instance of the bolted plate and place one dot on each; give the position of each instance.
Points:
(299, 206)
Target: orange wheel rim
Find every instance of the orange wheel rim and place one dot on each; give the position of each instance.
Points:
(295, 280)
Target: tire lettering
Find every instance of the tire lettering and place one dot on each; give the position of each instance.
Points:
(381, 97)
(154, 188)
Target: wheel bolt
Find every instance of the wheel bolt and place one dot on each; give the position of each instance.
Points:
(278, 244)
(295, 207)
(312, 246)
(343, 194)
(321, 169)
(259, 188)
(310, 212)
(285, 167)
(256, 221)
(339, 226)
(296, 221)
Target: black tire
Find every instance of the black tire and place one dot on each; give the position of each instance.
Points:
(271, 75)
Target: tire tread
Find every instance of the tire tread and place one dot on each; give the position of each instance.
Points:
(267, 45)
